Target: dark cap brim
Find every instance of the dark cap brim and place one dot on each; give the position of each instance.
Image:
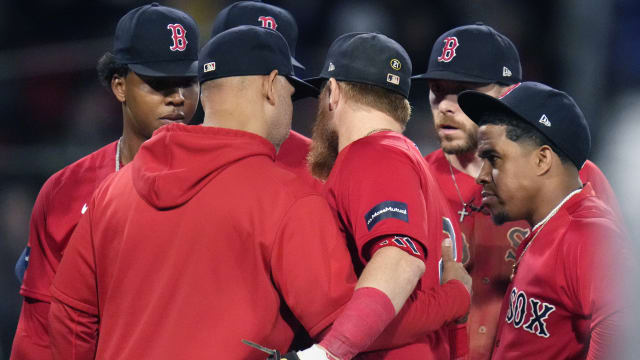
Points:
(479, 107)
(183, 68)
(297, 64)
(448, 75)
(303, 88)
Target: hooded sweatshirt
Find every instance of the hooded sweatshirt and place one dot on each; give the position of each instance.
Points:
(201, 242)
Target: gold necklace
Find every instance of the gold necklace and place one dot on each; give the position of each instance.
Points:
(539, 226)
(377, 130)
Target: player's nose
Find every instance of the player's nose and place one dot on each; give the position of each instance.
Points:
(484, 174)
(175, 96)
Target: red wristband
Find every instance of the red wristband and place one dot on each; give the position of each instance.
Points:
(458, 341)
(364, 317)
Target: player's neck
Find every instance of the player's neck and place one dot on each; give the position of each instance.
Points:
(550, 196)
(467, 162)
(356, 124)
(129, 146)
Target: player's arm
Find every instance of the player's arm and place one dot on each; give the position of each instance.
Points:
(31, 339)
(600, 271)
(73, 317)
(428, 310)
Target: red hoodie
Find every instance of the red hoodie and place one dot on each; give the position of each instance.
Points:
(201, 242)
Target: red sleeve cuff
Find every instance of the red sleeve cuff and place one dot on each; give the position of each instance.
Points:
(69, 301)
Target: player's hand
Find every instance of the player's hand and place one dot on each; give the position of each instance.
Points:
(315, 352)
(453, 269)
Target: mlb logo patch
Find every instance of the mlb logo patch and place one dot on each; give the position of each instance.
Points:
(394, 79)
(210, 66)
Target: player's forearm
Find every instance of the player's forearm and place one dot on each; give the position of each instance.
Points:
(382, 289)
(73, 334)
(393, 272)
(424, 312)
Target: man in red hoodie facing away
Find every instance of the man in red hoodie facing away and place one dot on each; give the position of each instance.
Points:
(152, 71)
(203, 241)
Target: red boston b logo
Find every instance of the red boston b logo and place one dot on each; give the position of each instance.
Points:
(178, 34)
(449, 49)
(268, 22)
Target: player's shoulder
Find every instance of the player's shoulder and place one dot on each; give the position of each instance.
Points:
(435, 158)
(381, 146)
(284, 180)
(83, 170)
(591, 220)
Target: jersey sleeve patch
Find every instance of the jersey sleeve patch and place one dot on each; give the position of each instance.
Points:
(401, 242)
(386, 210)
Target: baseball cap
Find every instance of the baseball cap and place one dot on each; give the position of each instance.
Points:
(156, 40)
(259, 14)
(368, 58)
(249, 50)
(474, 53)
(552, 112)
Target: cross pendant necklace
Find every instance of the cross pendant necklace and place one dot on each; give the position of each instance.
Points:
(463, 212)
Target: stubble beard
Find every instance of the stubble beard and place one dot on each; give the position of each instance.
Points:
(324, 146)
(469, 144)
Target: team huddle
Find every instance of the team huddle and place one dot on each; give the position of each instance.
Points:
(240, 238)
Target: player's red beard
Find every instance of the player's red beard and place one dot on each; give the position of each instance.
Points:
(324, 145)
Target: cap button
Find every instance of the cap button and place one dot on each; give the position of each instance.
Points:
(155, 4)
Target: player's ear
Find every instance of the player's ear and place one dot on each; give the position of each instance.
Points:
(543, 158)
(334, 94)
(269, 87)
(119, 87)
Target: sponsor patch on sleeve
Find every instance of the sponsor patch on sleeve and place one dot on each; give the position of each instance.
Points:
(386, 210)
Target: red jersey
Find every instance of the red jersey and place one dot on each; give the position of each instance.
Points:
(489, 249)
(293, 156)
(61, 202)
(200, 242)
(380, 186)
(564, 302)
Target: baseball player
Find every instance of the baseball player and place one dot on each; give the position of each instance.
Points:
(152, 72)
(564, 300)
(478, 57)
(292, 154)
(203, 240)
(385, 199)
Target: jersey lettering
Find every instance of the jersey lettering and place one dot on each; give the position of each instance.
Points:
(178, 35)
(515, 235)
(447, 229)
(449, 49)
(268, 22)
(510, 311)
(538, 316)
(518, 310)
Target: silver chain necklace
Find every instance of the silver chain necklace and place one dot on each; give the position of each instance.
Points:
(118, 154)
(463, 212)
(539, 226)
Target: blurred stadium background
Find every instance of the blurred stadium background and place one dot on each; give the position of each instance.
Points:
(54, 111)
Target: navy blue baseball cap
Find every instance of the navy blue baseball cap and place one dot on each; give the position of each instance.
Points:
(259, 14)
(552, 112)
(368, 58)
(156, 40)
(474, 53)
(249, 50)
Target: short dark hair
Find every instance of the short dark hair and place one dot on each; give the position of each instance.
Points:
(109, 66)
(518, 130)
